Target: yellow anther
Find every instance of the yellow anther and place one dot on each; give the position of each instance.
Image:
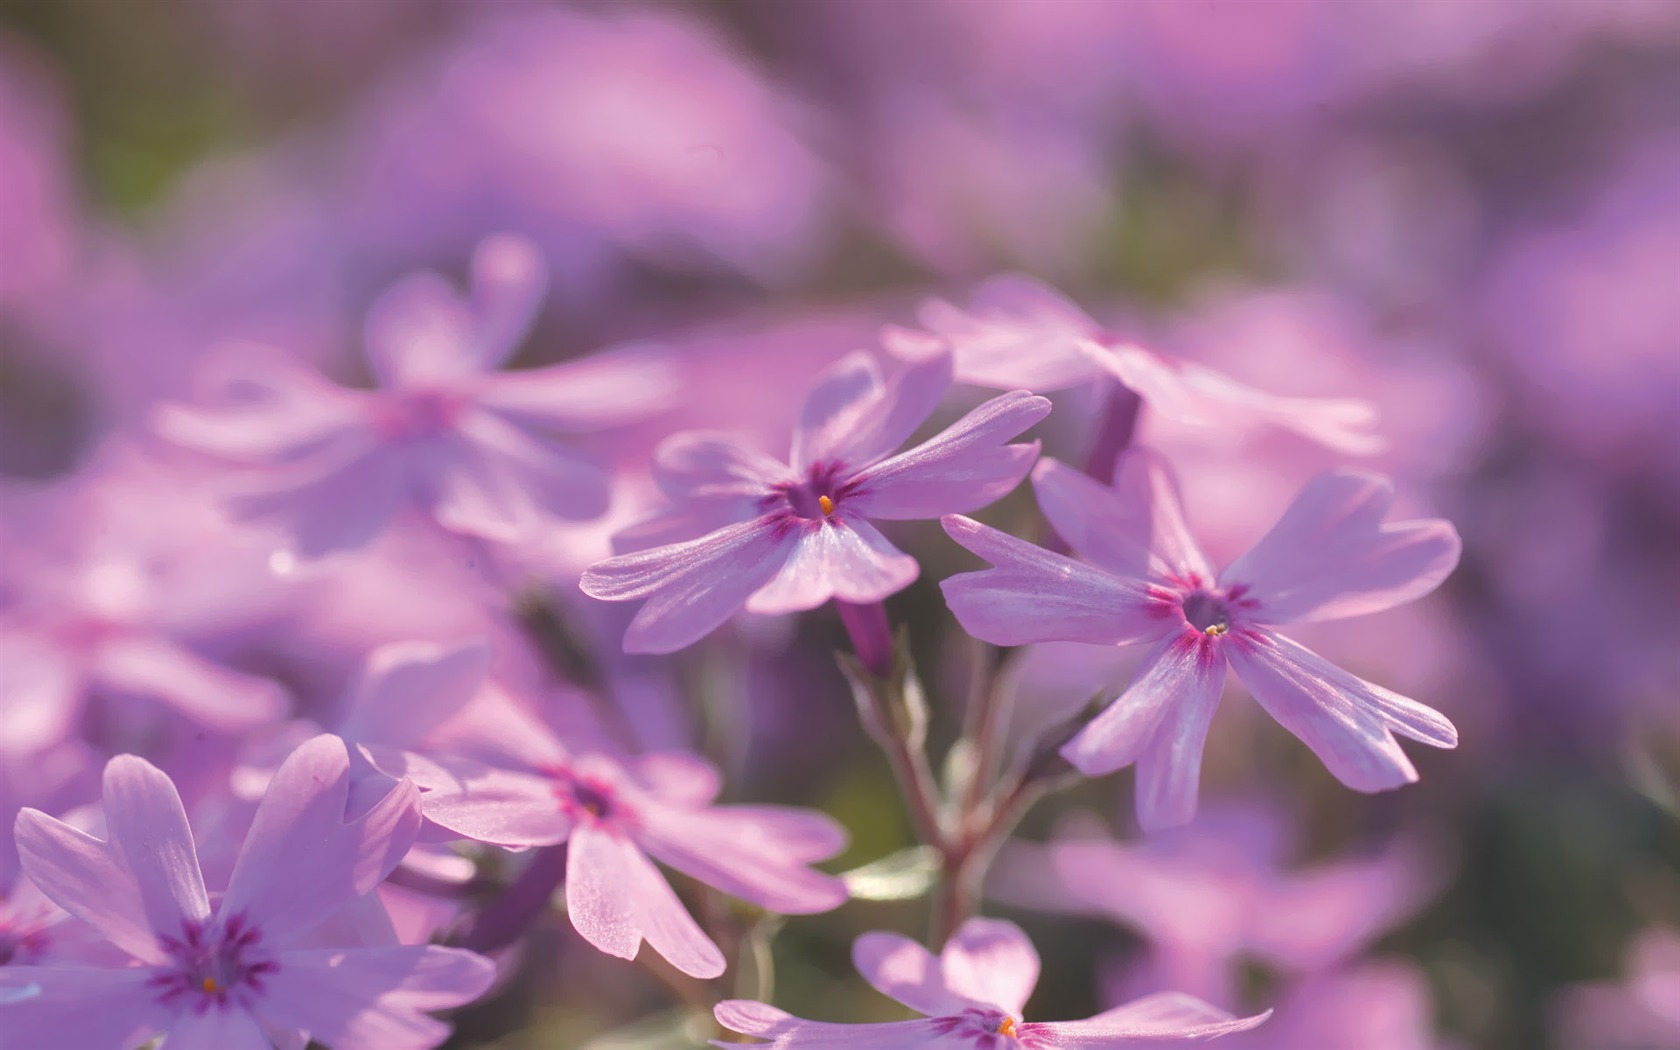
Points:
(1214, 630)
(826, 504)
(210, 985)
(1007, 1027)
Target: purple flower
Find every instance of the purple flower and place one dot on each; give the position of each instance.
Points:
(782, 537)
(1330, 556)
(469, 445)
(1640, 1012)
(972, 994)
(615, 815)
(1020, 333)
(240, 976)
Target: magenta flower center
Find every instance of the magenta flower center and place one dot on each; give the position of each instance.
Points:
(584, 798)
(988, 1030)
(1208, 612)
(406, 415)
(814, 499)
(213, 966)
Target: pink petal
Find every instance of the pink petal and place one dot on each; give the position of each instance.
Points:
(208, 693)
(1034, 595)
(700, 464)
(509, 279)
(270, 410)
(846, 559)
(375, 998)
(787, 1032)
(691, 587)
(615, 898)
(302, 860)
(494, 480)
(1331, 556)
(144, 880)
(1348, 722)
(604, 390)
(991, 961)
(1198, 395)
(901, 969)
(679, 777)
(334, 502)
(40, 696)
(1019, 333)
(218, 1029)
(1134, 529)
(963, 467)
(42, 1007)
(419, 331)
(841, 397)
(1165, 1015)
(756, 853)
(1169, 768)
(1317, 918)
(404, 690)
(1119, 735)
(480, 802)
(906, 401)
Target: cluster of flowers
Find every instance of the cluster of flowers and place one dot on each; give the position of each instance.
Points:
(296, 942)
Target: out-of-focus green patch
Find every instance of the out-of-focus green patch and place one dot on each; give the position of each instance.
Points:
(866, 802)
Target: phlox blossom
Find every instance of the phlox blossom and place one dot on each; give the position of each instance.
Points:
(1330, 556)
(246, 974)
(972, 994)
(783, 537)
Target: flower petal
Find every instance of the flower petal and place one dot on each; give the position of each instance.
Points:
(1134, 529)
(909, 397)
(1169, 768)
(302, 860)
(404, 690)
(374, 998)
(845, 393)
(1018, 333)
(691, 587)
(756, 853)
(419, 331)
(901, 969)
(1348, 722)
(208, 693)
(704, 465)
(992, 962)
(142, 881)
(480, 802)
(270, 409)
(846, 558)
(679, 777)
(40, 695)
(1034, 595)
(615, 898)
(1120, 734)
(1331, 556)
(492, 479)
(602, 390)
(76, 1007)
(337, 501)
(509, 279)
(1163, 1016)
(787, 1032)
(963, 467)
(217, 1029)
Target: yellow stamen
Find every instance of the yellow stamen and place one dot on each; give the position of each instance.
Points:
(1007, 1027)
(1214, 630)
(210, 985)
(826, 504)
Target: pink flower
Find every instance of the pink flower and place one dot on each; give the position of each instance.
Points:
(1020, 333)
(782, 537)
(972, 994)
(1330, 556)
(614, 815)
(239, 977)
(469, 445)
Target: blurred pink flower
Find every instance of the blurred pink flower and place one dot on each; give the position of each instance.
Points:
(1385, 1003)
(973, 993)
(1020, 333)
(468, 444)
(781, 537)
(1331, 556)
(1639, 1012)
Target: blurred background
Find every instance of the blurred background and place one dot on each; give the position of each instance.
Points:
(1465, 211)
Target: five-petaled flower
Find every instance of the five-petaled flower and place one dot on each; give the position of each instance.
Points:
(249, 973)
(972, 994)
(469, 445)
(784, 537)
(1330, 556)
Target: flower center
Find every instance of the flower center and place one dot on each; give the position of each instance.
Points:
(814, 499)
(213, 967)
(410, 414)
(585, 798)
(986, 1029)
(1207, 613)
